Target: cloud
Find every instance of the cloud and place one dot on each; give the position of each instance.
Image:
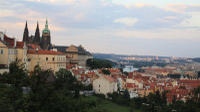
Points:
(183, 8)
(6, 13)
(164, 34)
(99, 24)
(193, 21)
(128, 21)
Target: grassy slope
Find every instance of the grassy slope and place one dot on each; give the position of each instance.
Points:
(108, 106)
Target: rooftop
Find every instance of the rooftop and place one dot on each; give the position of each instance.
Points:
(44, 52)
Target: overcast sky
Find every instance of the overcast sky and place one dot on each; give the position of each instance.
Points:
(138, 27)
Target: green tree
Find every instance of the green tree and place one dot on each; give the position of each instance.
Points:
(99, 63)
(11, 83)
(106, 72)
(17, 75)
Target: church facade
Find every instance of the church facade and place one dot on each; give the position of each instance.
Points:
(44, 42)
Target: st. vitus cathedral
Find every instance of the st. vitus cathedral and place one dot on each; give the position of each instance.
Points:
(44, 42)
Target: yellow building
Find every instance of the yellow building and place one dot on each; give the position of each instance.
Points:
(46, 60)
(3, 54)
(21, 53)
(10, 50)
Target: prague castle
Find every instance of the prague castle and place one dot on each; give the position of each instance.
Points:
(38, 50)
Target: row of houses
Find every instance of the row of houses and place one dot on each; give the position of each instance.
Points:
(138, 84)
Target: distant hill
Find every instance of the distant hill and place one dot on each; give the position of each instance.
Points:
(117, 56)
(196, 59)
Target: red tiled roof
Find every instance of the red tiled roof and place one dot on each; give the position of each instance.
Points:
(190, 83)
(44, 52)
(33, 46)
(130, 85)
(19, 44)
(9, 41)
(113, 70)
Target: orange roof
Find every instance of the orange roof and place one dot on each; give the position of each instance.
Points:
(114, 70)
(33, 46)
(130, 85)
(44, 52)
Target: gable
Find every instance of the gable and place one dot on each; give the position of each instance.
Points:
(72, 48)
(2, 45)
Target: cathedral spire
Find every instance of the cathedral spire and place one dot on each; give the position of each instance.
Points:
(46, 29)
(26, 33)
(46, 25)
(37, 35)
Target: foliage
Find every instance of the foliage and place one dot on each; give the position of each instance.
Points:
(104, 105)
(157, 103)
(174, 76)
(47, 93)
(17, 76)
(126, 73)
(107, 72)
(120, 98)
(99, 63)
(196, 59)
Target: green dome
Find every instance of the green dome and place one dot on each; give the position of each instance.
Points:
(46, 29)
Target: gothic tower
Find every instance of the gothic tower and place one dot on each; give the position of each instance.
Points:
(36, 39)
(26, 34)
(46, 38)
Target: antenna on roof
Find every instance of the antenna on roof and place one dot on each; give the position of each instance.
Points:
(5, 31)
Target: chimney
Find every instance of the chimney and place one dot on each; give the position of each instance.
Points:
(2, 36)
(15, 42)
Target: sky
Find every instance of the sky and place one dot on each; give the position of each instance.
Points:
(133, 27)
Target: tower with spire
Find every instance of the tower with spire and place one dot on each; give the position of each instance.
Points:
(26, 34)
(46, 38)
(36, 39)
(44, 42)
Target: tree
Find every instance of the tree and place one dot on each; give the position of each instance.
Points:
(11, 83)
(106, 72)
(64, 79)
(99, 63)
(17, 75)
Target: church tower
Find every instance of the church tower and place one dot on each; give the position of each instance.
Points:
(46, 38)
(36, 39)
(26, 34)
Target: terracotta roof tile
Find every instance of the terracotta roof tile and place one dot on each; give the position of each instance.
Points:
(44, 52)
(19, 44)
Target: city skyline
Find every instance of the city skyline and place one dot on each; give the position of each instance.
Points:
(139, 28)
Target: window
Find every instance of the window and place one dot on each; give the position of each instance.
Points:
(53, 58)
(1, 51)
(46, 58)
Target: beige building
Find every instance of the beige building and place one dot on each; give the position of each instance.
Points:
(104, 85)
(46, 60)
(10, 50)
(3, 54)
(75, 55)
